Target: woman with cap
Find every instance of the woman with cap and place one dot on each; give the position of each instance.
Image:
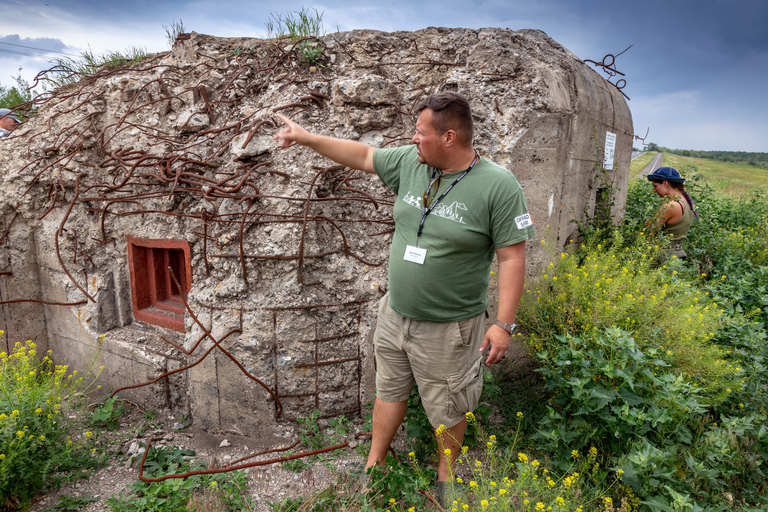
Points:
(676, 214)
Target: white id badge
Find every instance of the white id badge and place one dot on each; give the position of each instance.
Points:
(523, 221)
(415, 254)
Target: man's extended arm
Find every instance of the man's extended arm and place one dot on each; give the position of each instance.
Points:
(511, 278)
(349, 153)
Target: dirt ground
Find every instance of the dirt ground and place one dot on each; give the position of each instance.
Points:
(266, 483)
(269, 483)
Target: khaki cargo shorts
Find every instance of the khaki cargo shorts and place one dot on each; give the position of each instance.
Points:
(442, 359)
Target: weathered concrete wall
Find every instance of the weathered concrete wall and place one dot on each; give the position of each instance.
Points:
(288, 253)
(21, 321)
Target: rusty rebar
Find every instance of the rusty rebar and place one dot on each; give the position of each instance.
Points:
(235, 467)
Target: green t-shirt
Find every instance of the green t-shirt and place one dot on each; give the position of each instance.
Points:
(485, 211)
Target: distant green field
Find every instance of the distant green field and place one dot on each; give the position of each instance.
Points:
(735, 180)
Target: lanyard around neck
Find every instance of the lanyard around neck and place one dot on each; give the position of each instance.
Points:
(426, 210)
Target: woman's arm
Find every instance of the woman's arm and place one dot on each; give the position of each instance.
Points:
(671, 212)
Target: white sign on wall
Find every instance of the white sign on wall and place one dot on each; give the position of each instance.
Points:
(610, 148)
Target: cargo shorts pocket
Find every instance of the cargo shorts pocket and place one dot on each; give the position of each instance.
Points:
(465, 388)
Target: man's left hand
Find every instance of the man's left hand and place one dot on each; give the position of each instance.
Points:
(498, 339)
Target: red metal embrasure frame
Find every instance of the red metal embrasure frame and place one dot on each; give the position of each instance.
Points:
(154, 295)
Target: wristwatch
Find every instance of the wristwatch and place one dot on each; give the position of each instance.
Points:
(510, 328)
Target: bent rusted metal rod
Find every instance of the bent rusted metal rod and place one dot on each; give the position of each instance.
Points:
(61, 230)
(8, 228)
(205, 243)
(181, 348)
(106, 207)
(258, 123)
(432, 499)
(177, 370)
(277, 256)
(306, 214)
(52, 190)
(43, 301)
(363, 192)
(229, 468)
(315, 306)
(183, 295)
(67, 157)
(273, 450)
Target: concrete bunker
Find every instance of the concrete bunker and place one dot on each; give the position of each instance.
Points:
(278, 256)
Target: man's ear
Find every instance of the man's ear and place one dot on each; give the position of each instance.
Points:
(450, 137)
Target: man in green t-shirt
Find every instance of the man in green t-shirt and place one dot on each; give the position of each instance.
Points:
(454, 211)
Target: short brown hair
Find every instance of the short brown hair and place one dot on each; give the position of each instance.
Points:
(451, 111)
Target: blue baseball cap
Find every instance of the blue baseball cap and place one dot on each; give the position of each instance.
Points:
(666, 174)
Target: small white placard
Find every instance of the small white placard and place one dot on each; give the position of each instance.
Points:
(523, 221)
(415, 254)
(610, 149)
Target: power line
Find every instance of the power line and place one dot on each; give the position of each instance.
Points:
(13, 52)
(39, 49)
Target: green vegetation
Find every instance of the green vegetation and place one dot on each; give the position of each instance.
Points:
(107, 415)
(296, 24)
(749, 158)
(216, 492)
(632, 360)
(69, 71)
(313, 437)
(72, 503)
(40, 445)
(16, 95)
(303, 28)
(731, 179)
(173, 30)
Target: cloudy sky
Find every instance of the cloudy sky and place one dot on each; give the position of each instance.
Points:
(697, 73)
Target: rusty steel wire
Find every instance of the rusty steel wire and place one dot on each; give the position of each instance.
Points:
(180, 172)
(608, 64)
(642, 139)
(231, 467)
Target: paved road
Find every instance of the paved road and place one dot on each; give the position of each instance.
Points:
(655, 164)
(636, 154)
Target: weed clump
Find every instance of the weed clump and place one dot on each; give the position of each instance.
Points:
(68, 71)
(602, 286)
(304, 29)
(39, 444)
